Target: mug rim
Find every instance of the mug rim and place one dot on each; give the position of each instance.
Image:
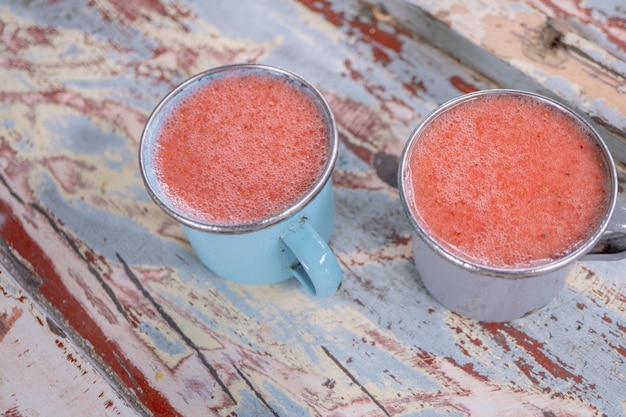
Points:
(178, 214)
(509, 272)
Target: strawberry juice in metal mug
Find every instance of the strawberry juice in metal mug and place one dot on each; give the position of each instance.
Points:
(505, 190)
(241, 156)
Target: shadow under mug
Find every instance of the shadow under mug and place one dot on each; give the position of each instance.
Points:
(292, 243)
(492, 294)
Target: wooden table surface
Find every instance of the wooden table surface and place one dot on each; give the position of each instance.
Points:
(106, 311)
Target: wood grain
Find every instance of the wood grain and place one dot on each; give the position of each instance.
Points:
(83, 246)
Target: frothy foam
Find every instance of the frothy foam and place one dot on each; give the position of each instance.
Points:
(241, 148)
(507, 181)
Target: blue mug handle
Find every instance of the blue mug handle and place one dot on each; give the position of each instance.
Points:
(316, 267)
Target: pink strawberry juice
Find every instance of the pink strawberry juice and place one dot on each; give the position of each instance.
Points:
(240, 148)
(506, 181)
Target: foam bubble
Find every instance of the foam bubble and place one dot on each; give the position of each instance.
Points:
(236, 134)
(521, 181)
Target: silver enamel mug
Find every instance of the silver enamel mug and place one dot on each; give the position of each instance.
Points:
(500, 294)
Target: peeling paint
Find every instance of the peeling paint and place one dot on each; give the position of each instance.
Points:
(123, 306)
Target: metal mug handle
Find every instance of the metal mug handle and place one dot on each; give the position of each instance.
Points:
(612, 244)
(316, 268)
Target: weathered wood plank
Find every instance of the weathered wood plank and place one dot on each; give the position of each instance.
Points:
(569, 50)
(41, 372)
(82, 238)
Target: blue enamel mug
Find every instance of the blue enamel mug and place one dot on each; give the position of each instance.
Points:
(285, 245)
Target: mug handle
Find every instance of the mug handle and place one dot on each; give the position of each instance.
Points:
(612, 244)
(316, 267)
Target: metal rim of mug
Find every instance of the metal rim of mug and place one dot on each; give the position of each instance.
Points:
(178, 214)
(502, 272)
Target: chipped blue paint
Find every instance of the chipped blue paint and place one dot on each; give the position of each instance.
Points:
(163, 341)
(274, 347)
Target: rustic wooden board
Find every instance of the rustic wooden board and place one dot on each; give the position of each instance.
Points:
(42, 373)
(571, 50)
(83, 240)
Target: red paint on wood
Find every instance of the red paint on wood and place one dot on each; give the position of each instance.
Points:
(15, 39)
(534, 349)
(138, 9)
(462, 85)
(401, 240)
(7, 321)
(68, 172)
(55, 292)
(123, 117)
(415, 86)
(369, 29)
(12, 412)
(324, 7)
(380, 56)
(469, 369)
(371, 33)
